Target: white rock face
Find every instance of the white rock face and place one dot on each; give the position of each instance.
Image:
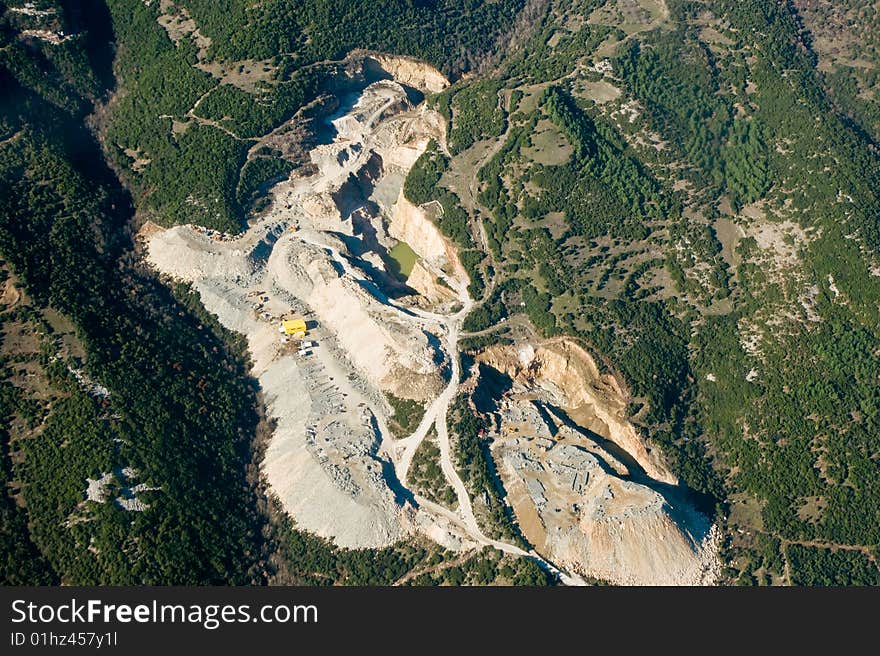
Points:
(411, 224)
(321, 253)
(567, 376)
(316, 255)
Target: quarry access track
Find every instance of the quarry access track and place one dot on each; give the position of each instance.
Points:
(402, 451)
(249, 282)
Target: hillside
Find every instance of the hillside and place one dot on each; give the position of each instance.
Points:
(682, 198)
(657, 196)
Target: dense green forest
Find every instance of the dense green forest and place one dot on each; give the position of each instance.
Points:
(479, 475)
(452, 34)
(427, 477)
(181, 412)
(478, 113)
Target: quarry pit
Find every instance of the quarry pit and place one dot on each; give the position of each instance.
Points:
(587, 493)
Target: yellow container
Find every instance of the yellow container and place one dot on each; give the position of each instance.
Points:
(294, 326)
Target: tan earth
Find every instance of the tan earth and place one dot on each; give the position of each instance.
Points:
(408, 71)
(584, 487)
(569, 378)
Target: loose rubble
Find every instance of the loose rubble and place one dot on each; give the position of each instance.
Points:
(318, 254)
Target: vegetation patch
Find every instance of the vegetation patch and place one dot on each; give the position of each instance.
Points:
(426, 476)
(407, 414)
(477, 469)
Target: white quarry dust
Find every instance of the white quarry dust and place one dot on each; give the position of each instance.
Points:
(619, 518)
(319, 253)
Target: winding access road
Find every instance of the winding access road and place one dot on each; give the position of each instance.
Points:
(402, 451)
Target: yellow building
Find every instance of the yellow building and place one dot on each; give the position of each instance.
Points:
(294, 327)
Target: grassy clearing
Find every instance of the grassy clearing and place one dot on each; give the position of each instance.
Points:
(549, 146)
